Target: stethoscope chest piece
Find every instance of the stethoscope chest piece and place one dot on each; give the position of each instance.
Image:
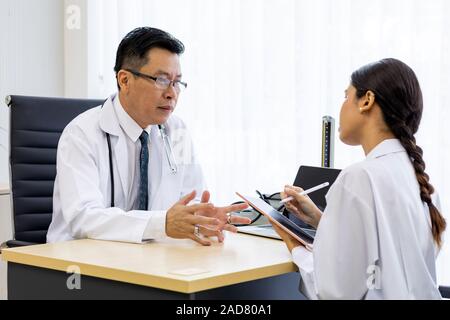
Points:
(168, 149)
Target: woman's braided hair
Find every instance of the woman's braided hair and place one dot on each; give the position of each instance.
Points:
(397, 92)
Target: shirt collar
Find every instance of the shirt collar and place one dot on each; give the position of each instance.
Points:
(386, 147)
(131, 128)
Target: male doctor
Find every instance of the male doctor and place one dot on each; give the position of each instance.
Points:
(114, 179)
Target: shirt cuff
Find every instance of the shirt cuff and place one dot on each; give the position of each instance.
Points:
(156, 226)
(303, 258)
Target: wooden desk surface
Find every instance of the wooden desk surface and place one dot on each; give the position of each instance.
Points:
(176, 265)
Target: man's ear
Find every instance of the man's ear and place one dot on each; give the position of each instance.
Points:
(123, 79)
(367, 102)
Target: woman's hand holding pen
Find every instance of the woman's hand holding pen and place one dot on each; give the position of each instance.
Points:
(302, 206)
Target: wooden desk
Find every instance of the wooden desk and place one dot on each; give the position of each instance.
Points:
(244, 267)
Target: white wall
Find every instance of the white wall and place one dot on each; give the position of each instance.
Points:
(75, 49)
(31, 57)
(31, 63)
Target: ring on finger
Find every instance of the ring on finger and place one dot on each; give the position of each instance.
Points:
(197, 230)
(229, 217)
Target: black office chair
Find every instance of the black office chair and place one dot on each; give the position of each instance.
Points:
(36, 124)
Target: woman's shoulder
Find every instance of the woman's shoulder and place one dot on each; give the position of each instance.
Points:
(356, 172)
(353, 182)
(365, 170)
(353, 188)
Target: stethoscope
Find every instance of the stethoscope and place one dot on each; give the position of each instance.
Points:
(167, 149)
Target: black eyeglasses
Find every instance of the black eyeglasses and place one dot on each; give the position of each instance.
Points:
(161, 82)
(273, 197)
(254, 215)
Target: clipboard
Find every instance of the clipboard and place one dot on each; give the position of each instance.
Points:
(280, 220)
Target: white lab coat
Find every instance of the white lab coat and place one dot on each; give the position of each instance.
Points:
(82, 192)
(374, 240)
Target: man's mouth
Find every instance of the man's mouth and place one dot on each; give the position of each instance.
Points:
(166, 108)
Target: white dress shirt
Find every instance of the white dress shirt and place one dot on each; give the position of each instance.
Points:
(155, 228)
(374, 239)
(82, 192)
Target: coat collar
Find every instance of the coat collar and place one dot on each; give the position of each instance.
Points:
(386, 147)
(114, 118)
(108, 118)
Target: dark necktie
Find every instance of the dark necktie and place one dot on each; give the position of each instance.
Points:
(143, 163)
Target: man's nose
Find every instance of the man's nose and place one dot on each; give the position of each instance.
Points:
(170, 92)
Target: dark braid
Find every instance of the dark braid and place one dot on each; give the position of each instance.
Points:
(397, 92)
(415, 152)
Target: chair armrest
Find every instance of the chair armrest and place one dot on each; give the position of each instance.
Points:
(445, 292)
(3, 246)
(14, 244)
(17, 243)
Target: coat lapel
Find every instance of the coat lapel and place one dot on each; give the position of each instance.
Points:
(110, 124)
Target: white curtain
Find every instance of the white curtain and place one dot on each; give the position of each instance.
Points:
(262, 73)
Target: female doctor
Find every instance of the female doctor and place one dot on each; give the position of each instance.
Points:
(380, 233)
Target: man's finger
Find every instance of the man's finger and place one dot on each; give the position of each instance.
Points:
(235, 207)
(205, 196)
(205, 221)
(240, 220)
(212, 233)
(203, 242)
(187, 198)
(230, 228)
(200, 207)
